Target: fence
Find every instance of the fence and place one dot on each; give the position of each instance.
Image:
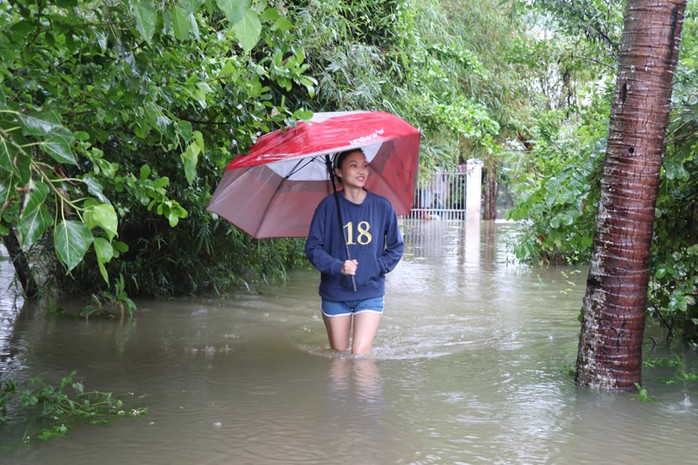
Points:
(441, 197)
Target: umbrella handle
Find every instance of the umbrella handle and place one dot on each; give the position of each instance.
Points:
(328, 162)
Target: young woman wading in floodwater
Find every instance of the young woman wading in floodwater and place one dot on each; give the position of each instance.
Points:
(375, 247)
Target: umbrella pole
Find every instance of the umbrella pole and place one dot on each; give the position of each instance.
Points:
(328, 162)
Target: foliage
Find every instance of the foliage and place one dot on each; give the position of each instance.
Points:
(115, 124)
(554, 163)
(587, 22)
(118, 118)
(559, 202)
(672, 291)
(674, 282)
(567, 143)
(415, 63)
(57, 408)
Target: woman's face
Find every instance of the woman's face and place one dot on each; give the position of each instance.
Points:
(354, 170)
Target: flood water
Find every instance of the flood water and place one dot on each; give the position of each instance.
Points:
(470, 366)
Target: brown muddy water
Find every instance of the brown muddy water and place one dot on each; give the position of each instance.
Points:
(470, 366)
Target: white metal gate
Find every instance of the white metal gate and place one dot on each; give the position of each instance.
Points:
(441, 197)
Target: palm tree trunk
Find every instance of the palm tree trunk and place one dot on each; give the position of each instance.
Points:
(610, 344)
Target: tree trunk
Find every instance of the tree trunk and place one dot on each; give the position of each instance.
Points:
(610, 344)
(19, 260)
(490, 194)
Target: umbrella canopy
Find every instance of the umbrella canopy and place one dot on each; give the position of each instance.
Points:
(273, 190)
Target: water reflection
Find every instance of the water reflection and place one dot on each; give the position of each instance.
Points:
(469, 367)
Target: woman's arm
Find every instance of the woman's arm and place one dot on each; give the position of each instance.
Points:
(315, 245)
(394, 245)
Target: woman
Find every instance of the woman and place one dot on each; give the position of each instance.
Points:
(353, 288)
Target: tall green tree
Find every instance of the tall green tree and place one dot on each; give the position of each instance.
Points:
(610, 344)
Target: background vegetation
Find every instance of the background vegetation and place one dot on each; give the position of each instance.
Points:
(117, 118)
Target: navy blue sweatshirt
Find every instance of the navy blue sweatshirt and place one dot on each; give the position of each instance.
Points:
(373, 238)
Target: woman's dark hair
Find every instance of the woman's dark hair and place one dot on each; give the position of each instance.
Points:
(341, 156)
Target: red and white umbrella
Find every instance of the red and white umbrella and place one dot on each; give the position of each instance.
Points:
(273, 190)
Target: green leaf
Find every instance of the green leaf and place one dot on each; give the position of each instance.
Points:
(144, 172)
(104, 216)
(40, 123)
(234, 10)
(58, 145)
(23, 162)
(33, 226)
(190, 158)
(104, 253)
(71, 239)
(119, 247)
(270, 14)
(57, 140)
(181, 22)
(7, 155)
(94, 187)
(34, 198)
(146, 18)
(248, 30)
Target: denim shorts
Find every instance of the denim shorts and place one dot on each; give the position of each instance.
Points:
(332, 308)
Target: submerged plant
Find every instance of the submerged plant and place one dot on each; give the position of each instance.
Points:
(110, 303)
(642, 394)
(681, 375)
(57, 407)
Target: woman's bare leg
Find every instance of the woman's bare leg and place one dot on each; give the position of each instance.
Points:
(338, 328)
(365, 328)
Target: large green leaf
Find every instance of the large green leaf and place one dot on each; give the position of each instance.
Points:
(33, 226)
(102, 215)
(248, 30)
(146, 18)
(55, 139)
(71, 239)
(181, 22)
(40, 123)
(34, 198)
(58, 145)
